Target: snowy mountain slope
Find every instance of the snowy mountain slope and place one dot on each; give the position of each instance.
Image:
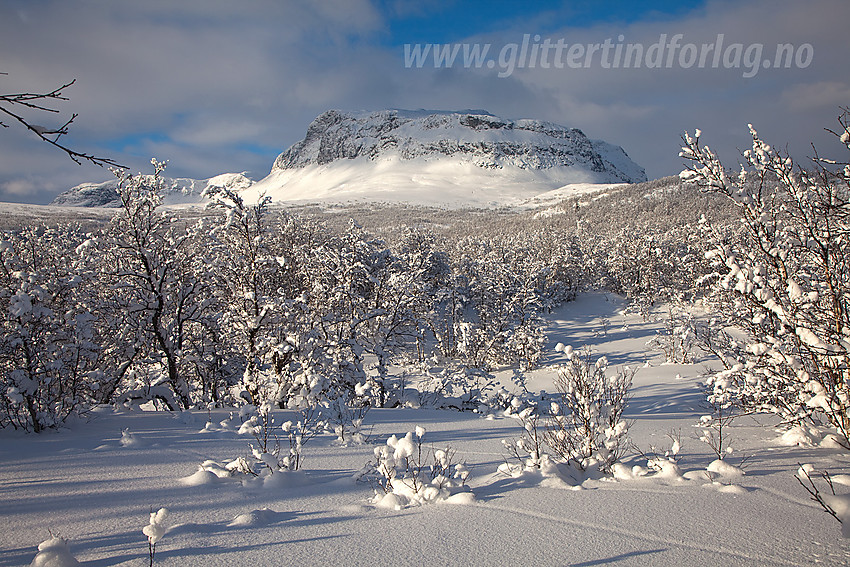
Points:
(440, 157)
(179, 191)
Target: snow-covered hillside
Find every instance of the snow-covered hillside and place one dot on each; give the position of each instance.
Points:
(440, 157)
(178, 191)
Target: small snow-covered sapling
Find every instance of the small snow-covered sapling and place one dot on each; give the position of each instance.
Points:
(155, 530)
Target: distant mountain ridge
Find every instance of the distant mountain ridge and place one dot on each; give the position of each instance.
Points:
(179, 190)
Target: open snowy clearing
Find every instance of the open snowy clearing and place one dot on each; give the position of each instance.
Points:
(95, 484)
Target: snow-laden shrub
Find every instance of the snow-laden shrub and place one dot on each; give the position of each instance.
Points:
(51, 355)
(678, 338)
(155, 276)
(586, 428)
(54, 552)
(276, 448)
(270, 456)
(147, 389)
(663, 460)
(154, 531)
(527, 449)
(715, 426)
(785, 280)
(407, 473)
(345, 415)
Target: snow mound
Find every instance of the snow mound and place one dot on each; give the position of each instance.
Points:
(731, 489)
(724, 469)
(254, 518)
(832, 441)
(284, 479)
(131, 440)
(546, 473)
(461, 498)
(666, 469)
(801, 435)
(391, 501)
(54, 552)
(840, 504)
(201, 477)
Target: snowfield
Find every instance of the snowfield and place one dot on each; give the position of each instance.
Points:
(439, 183)
(95, 484)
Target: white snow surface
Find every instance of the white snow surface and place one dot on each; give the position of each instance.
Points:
(86, 486)
(441, 183)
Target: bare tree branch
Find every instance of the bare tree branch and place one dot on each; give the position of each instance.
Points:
(35, 101)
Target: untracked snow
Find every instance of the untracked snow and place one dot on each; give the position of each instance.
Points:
(95, 488)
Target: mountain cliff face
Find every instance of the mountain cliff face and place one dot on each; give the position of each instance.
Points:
(475, 137)
(178, 191)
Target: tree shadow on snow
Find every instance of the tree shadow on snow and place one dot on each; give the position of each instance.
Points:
(615, 558)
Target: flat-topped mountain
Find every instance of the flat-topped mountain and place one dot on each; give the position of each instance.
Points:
(440, 157)
(475, 137)
(430, 157)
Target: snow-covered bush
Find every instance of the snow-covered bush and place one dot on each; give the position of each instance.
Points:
(678, 339)
(54, 552)
(277, 448)
(346, 414)
(268, 452)
(786, 280)
(51, 354)
(662, 460)
(715, 426)
(249, 279)
(527, 449)
(155, 530)
(586, 428)
(493, 310)
(409, 474)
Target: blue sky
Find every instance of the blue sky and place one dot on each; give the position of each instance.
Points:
(442, 22)
(216, 86)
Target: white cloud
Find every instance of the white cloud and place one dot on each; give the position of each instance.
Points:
(828, 95)
(18, 187)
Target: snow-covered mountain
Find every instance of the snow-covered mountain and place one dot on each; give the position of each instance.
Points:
(428, 156)
(180, 190)
(453, 158)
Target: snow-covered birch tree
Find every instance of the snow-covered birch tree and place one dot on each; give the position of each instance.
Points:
(786, 280)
